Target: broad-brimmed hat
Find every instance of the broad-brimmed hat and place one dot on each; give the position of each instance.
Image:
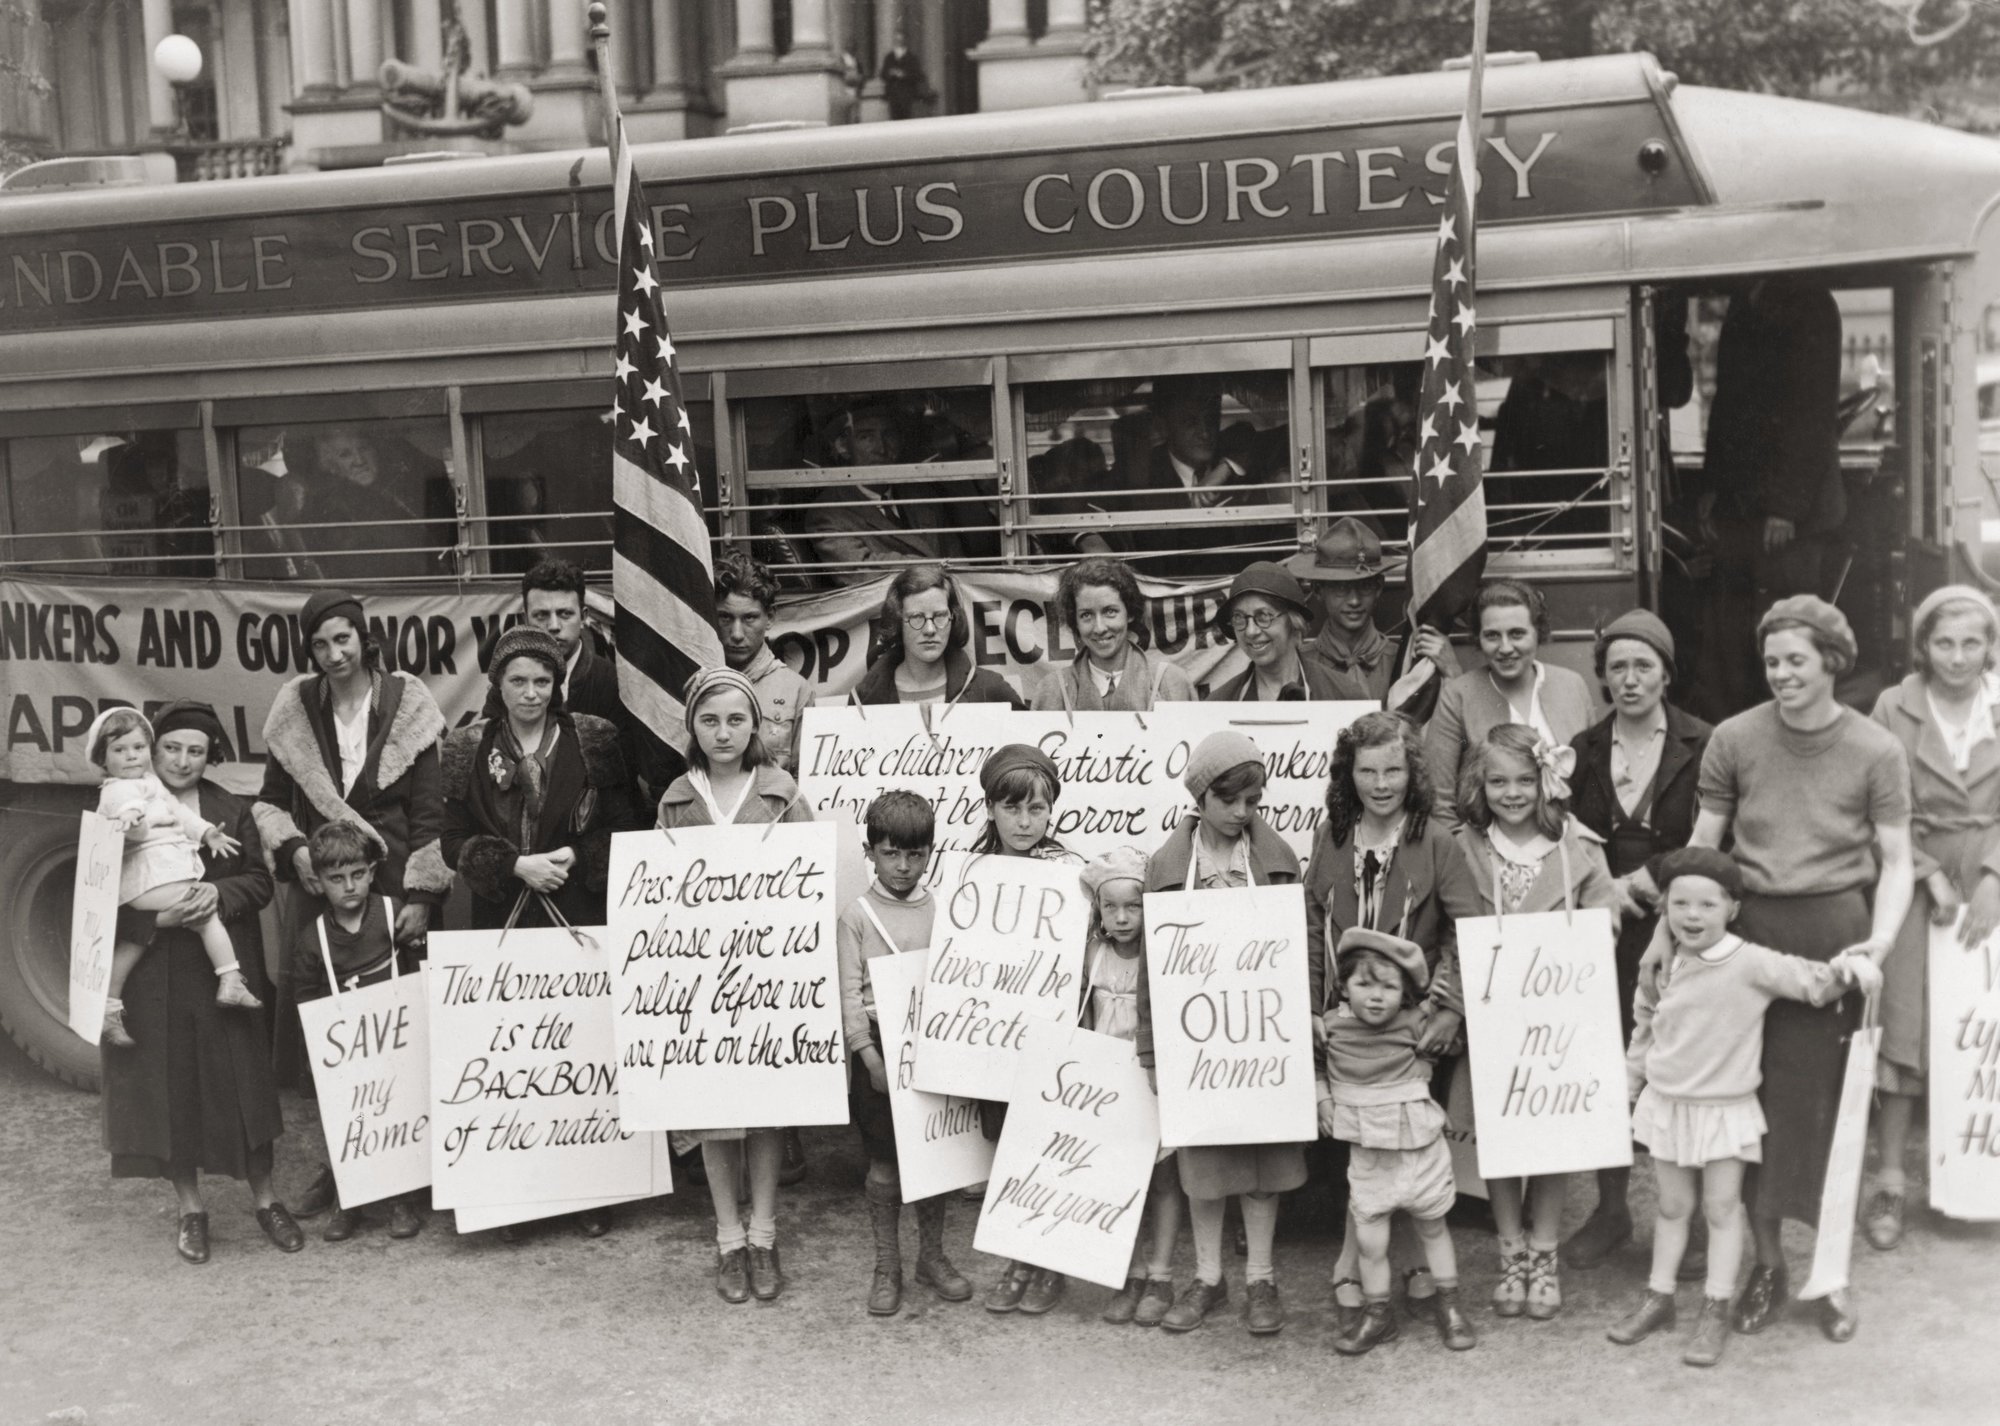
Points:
(1347, 553)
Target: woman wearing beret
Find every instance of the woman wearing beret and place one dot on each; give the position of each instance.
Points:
(197, 1095)
(1515, 686)
(1099, 600)
(1818, 798)
(1268, 613)
(922, 634)
(533, 793)
(1943, 715)
(1636, 771)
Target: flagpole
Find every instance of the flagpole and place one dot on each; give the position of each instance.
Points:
(1475, 99)
(607, 85)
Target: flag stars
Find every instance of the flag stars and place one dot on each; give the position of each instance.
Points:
(643, 279)
(1437, 354)
(678, 459)
(1464, 320)
(1449, 398)
(665, 346)
(642, 432)
(655, 392)
(1447, 230)
(1468, 435)
(1455, 273)
(623, 368)
(687, 427)
(634, 323)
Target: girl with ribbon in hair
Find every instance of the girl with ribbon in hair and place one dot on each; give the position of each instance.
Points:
(164, 839)
(731, 780)
(1526, 855)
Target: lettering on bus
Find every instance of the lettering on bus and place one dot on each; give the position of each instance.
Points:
(1257, 188)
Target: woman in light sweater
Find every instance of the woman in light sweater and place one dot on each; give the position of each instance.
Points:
(1515, 686)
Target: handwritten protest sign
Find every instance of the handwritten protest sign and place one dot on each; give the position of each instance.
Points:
(940, 1145)
(1840, 1193)
(1008, 956)
(371, 1064)
(1548, 1061)
(478, 1220)
(1232, 1027)
(726, 978)
(1069, 1180)
(93, 923)
(1965, 1076)
(1296, 740)
(524, 1080)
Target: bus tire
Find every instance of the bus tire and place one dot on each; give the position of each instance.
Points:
(38, 870)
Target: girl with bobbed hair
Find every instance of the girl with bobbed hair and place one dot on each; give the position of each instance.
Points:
(1381, 862)
(920, 639)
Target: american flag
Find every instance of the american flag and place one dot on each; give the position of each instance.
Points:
(662, 575)
(1447, 502)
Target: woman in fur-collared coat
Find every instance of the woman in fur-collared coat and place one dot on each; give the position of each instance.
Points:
(532, 793)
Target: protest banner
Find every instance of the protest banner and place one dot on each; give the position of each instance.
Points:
(726, 979)
(1068, 1186)
(1232, 1022)
(1965, 1076)
(1007, 955)
(524, 1079)
(72, 647)
(1548, 1060)
(478, 1220)
(1296, 740)
(1840, 1195)
(940, 1145)
(371, 1064)
(93, 922)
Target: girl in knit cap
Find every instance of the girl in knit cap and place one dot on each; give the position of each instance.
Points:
(1376, 1096)
(163, 842)
(1021, 784)
(1694, 1071)
(732, 780)
(1114, 966)
(1227, 844)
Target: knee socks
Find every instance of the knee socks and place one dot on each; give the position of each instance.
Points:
(1260, 1229)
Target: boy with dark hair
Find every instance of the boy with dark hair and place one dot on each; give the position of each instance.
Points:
(745, 598)
(352, 941)
(892, 916)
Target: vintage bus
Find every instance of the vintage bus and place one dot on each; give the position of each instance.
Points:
(995, 338)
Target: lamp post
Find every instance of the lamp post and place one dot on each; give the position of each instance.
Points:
(177, 59)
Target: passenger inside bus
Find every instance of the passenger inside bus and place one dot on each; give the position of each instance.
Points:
(131, 503)
(369, 503)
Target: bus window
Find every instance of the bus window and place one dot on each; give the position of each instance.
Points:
(548, 484)
(922, 485)
(1544, 424)
(362, 499)
(1183, 474)
(132, 503)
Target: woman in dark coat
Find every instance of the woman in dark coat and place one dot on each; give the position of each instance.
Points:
(195, 1095)
(1636, 773)
(532, 793)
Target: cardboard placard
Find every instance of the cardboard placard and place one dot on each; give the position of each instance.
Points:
(1232, 1023)
(1547, 1055)
(93, 922)
(1840, 1196)
(370, 1054)
(940, 1145)
(478, 1220)
(1069, 1180)
(524, 1078)
(1009, 957)
(726, 977)
(1964, 1078)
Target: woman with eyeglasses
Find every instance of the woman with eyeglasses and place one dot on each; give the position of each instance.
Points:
(921, 637)
(1267, 613)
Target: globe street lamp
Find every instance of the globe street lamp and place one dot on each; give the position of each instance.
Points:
(178, 61)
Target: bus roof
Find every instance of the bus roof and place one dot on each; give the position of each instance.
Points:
(1594, 171)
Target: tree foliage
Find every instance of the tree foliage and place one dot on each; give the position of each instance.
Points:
(1894, 51)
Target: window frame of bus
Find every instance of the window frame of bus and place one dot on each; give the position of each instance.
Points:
(733, 390)
(168, 416)
(1190, 358)
(1608, 331)
(412, 403)
(583, 393)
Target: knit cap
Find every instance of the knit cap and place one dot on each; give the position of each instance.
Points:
(1213, 756)
(1816, 614)
(1641, 624)
(1718, 867)
(1013, 756)
(1118, 864)
(525, 640)
(711, 681)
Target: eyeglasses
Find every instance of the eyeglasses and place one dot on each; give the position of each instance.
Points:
(1263, 619)
(921, 622)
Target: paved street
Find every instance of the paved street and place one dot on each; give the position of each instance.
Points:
(100, 1315)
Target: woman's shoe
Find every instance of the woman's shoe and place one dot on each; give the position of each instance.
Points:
(1655, 1313)
(342, 1225)
(767, 1280)
(1378, 1325)
(279, 1226)
(114, 1032)
(1762, 1301)
(1711, 1333)
(191, 1238)
(1545, 1294)
(1454, 1327)
(232, 994)
(1155, 1303)
(1510, 1294)
(1122, 1308)
(1883, 1220)
(1837, 1317)
(1346, 1319)
(732, 1275)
